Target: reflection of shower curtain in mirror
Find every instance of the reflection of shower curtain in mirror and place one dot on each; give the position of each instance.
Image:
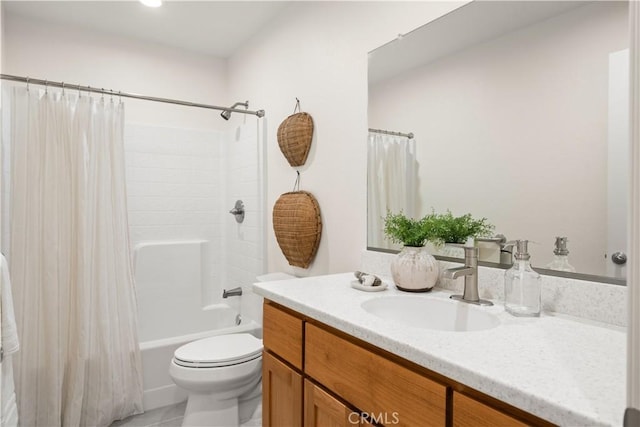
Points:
(391, 183)
(79, 361)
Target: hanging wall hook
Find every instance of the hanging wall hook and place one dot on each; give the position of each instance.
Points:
(296, 185)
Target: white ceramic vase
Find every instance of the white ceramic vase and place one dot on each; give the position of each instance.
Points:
(414, 269)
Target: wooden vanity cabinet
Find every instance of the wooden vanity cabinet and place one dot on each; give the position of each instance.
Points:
(316, 376)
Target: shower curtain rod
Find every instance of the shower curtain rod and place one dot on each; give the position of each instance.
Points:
(63, 85)
(388, 132)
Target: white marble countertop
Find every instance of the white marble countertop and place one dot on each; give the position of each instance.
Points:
(568, 371)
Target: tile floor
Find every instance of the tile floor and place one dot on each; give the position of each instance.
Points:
(171, 416)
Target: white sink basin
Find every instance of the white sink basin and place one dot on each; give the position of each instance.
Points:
(431, 313)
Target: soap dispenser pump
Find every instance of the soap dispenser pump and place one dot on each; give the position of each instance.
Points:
(561, 256)
(522, 287)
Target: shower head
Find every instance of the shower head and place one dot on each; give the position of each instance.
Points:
(226, 114)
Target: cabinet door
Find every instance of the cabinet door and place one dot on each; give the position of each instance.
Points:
(468, 412)
(281, 394)
(323, 410)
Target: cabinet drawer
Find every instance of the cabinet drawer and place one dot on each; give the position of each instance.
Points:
(372, 383)
(283, 334)
(468, 412)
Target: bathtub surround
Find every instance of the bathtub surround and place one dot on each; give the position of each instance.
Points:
(173, 279)
(73, 278)
(182, 183)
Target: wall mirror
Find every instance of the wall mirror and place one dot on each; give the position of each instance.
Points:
(519, 112)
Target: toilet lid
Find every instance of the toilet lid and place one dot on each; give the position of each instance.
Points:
(222, 350)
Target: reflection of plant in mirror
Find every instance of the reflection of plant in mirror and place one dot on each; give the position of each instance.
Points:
(445, 228)
(407, 231)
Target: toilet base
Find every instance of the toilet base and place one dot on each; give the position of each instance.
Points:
(204, 410)
(248, 403)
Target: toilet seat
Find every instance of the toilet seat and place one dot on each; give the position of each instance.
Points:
(219, 351)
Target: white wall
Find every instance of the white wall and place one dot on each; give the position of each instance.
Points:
(317, 51)
(518, 135)
(85, 57)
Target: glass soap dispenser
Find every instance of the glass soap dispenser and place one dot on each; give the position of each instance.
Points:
(522, 287)
(561, 256)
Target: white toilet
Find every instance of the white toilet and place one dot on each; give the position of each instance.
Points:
(222, 375)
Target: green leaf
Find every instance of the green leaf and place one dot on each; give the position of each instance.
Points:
(437, 228)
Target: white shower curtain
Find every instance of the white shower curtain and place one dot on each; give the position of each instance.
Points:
(79, 363)
(391, 184)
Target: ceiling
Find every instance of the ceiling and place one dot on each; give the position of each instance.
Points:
(215, 28)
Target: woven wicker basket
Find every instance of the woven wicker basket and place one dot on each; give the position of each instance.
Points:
(294, 138)
(298, 227)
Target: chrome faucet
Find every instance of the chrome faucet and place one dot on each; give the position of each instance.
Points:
(470, 273)
(235, 292)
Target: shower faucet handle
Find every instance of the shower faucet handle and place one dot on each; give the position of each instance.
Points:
(238, 211)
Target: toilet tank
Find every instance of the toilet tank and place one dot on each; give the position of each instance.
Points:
(271, 277)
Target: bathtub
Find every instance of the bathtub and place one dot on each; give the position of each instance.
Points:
(159, 389)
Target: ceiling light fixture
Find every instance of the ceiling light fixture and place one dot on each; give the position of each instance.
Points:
(151, 3)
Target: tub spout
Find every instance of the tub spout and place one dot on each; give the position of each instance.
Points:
(235, 292)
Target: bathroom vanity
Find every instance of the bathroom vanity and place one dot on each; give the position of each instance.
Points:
(328, 361)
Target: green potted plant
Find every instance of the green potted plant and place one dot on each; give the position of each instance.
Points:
(446, 228)
(405, 230)
(414, 269)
